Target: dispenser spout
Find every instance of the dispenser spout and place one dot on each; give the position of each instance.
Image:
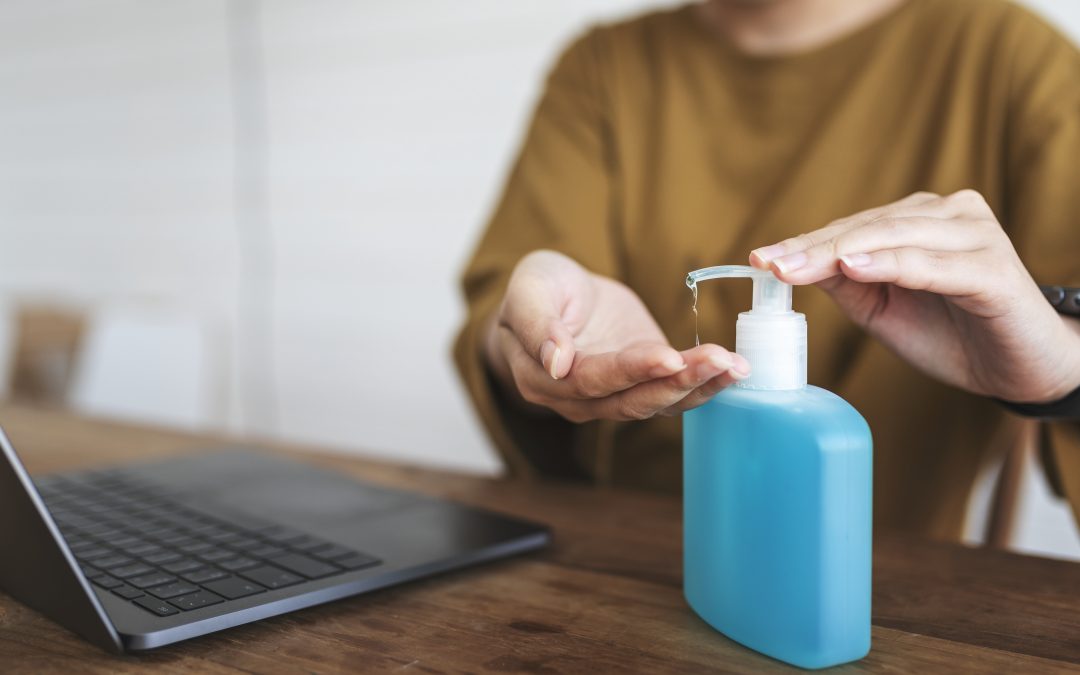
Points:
(771, 296)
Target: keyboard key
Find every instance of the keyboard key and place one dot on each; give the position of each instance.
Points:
(157, 531)
(266, 551)
(112, 561)
(245, 544)
(126, 542)
(88, 554)
(173, 538)
(152, 579)
(357, 562)
(237, 564)
(162, 558)
(78, 544)
(144, 549)
(196, 547)
(127, 592)
(126, 571)
(224, 537)
(200, 528)
(107, 582)
(196, 600)
(331, 551)
(281, 535)
(98, 529)
(308, 567)
(203, 575)
(308, 544)
(155, 606)
(180, 543)
(182, 565)
(234, 587)
(216, 555)
(271, 577)
(172, 590)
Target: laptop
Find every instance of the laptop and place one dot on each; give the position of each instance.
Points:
(139, 556)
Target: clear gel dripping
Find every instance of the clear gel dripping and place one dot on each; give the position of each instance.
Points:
(692, 284)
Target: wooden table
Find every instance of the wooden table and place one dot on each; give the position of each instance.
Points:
(606, 597)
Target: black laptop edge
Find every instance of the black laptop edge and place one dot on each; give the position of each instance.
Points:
(44, 575)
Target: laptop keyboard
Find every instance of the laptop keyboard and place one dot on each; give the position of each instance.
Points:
(167, 558)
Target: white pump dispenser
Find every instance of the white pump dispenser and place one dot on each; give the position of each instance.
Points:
(770, 336)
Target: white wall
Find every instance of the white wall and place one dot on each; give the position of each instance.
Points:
(306, 177)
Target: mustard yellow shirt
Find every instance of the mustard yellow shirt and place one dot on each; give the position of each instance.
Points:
(658, 148)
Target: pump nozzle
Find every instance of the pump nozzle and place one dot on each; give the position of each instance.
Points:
(770, 336)
(771, 296)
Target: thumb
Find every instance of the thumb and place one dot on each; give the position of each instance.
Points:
(533, 310)
(857, 300)
(533, 316)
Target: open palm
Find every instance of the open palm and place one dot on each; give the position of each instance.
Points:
(585, 346)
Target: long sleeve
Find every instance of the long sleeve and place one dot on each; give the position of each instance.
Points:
(557, 197)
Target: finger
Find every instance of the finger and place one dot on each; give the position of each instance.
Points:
(918, 203)
(593, 376)
(599, 375)
(528, 374)
(964, 203)
(532, 312)
(645, 400)
(702, 394)
(889, 232)
(943, 272)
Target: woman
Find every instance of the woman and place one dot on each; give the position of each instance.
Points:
(691, 137)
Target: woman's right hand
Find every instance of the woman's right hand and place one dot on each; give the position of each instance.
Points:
(585, 346)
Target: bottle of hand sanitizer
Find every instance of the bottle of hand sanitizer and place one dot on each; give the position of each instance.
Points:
(777, 497)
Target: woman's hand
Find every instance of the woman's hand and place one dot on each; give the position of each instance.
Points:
(586, 347)
(938, 281)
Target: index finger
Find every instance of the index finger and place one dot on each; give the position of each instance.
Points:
(912, 205)
(599, 375)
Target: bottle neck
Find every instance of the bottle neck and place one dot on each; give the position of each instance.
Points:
(775, 346)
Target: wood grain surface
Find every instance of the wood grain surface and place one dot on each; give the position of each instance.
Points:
(606, 597)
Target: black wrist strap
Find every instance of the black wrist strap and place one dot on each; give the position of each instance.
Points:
(1065, 300)
(1067, 408)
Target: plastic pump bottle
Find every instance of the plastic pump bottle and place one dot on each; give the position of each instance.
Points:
(777, 497)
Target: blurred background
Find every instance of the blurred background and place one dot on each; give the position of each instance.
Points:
(250, 217)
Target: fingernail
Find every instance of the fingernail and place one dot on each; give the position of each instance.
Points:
(717, 364)
(555, 363)
(856, 259)
(669, 366)
(740, 368)
(547, 356)
(767, 253)
(790, 263)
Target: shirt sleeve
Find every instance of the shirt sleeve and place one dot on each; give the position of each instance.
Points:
(1043, 180)
(557, 197)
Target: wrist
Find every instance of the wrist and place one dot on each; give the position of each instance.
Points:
(1067, 369)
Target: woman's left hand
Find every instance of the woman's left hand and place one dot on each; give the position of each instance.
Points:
(937, 280)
